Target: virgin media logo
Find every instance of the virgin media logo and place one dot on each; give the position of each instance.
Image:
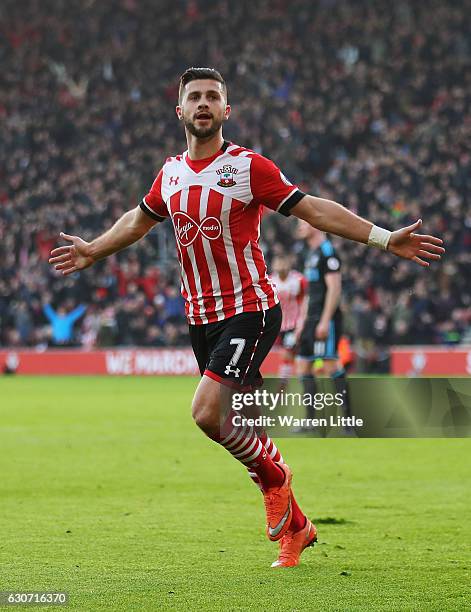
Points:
(187, 229)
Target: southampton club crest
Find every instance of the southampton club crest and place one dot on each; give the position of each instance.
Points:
(226, 174)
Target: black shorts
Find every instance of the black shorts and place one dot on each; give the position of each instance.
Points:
(232, 351)
(310, 348)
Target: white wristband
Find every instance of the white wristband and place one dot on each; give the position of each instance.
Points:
(379, 237)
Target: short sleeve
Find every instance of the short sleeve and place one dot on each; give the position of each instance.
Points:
(330, 262)
(271, 188)
(152, 203)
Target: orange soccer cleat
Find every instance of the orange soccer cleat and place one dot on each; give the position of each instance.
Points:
(278, 506)
(293, 544)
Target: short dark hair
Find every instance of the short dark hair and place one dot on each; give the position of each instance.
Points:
(194, 74)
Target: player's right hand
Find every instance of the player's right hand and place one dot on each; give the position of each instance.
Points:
(71, 258)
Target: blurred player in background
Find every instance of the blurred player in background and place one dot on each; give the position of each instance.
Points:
(214, 193)
(320, 326)
(291, 287)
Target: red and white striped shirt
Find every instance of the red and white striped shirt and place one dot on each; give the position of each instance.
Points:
(291, 292)
(215, 205)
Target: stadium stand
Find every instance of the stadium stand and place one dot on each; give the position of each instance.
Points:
(380, 123)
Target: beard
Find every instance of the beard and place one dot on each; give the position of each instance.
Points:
(205, 132)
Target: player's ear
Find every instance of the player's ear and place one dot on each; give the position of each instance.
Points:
(179, 112)
(227, 111)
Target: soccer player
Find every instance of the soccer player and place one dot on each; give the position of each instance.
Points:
(213, 194)
(320, 325)
(291, 288)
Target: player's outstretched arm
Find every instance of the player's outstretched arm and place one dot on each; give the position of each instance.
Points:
(80, 254)
(334, 218)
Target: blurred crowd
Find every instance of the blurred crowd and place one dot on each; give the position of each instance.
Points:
(367, 103)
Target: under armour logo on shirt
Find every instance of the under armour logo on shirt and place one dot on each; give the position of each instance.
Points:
(173, 180)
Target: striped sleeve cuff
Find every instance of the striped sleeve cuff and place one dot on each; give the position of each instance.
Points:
(153, 215)
(285, 207)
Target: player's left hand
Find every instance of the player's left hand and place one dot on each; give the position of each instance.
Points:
(417, 247)
(322, 330)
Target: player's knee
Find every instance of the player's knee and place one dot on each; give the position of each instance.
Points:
(206, 416)
(303, 368)
(330, 366)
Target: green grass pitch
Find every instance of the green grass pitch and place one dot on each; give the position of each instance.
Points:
(109, 491)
